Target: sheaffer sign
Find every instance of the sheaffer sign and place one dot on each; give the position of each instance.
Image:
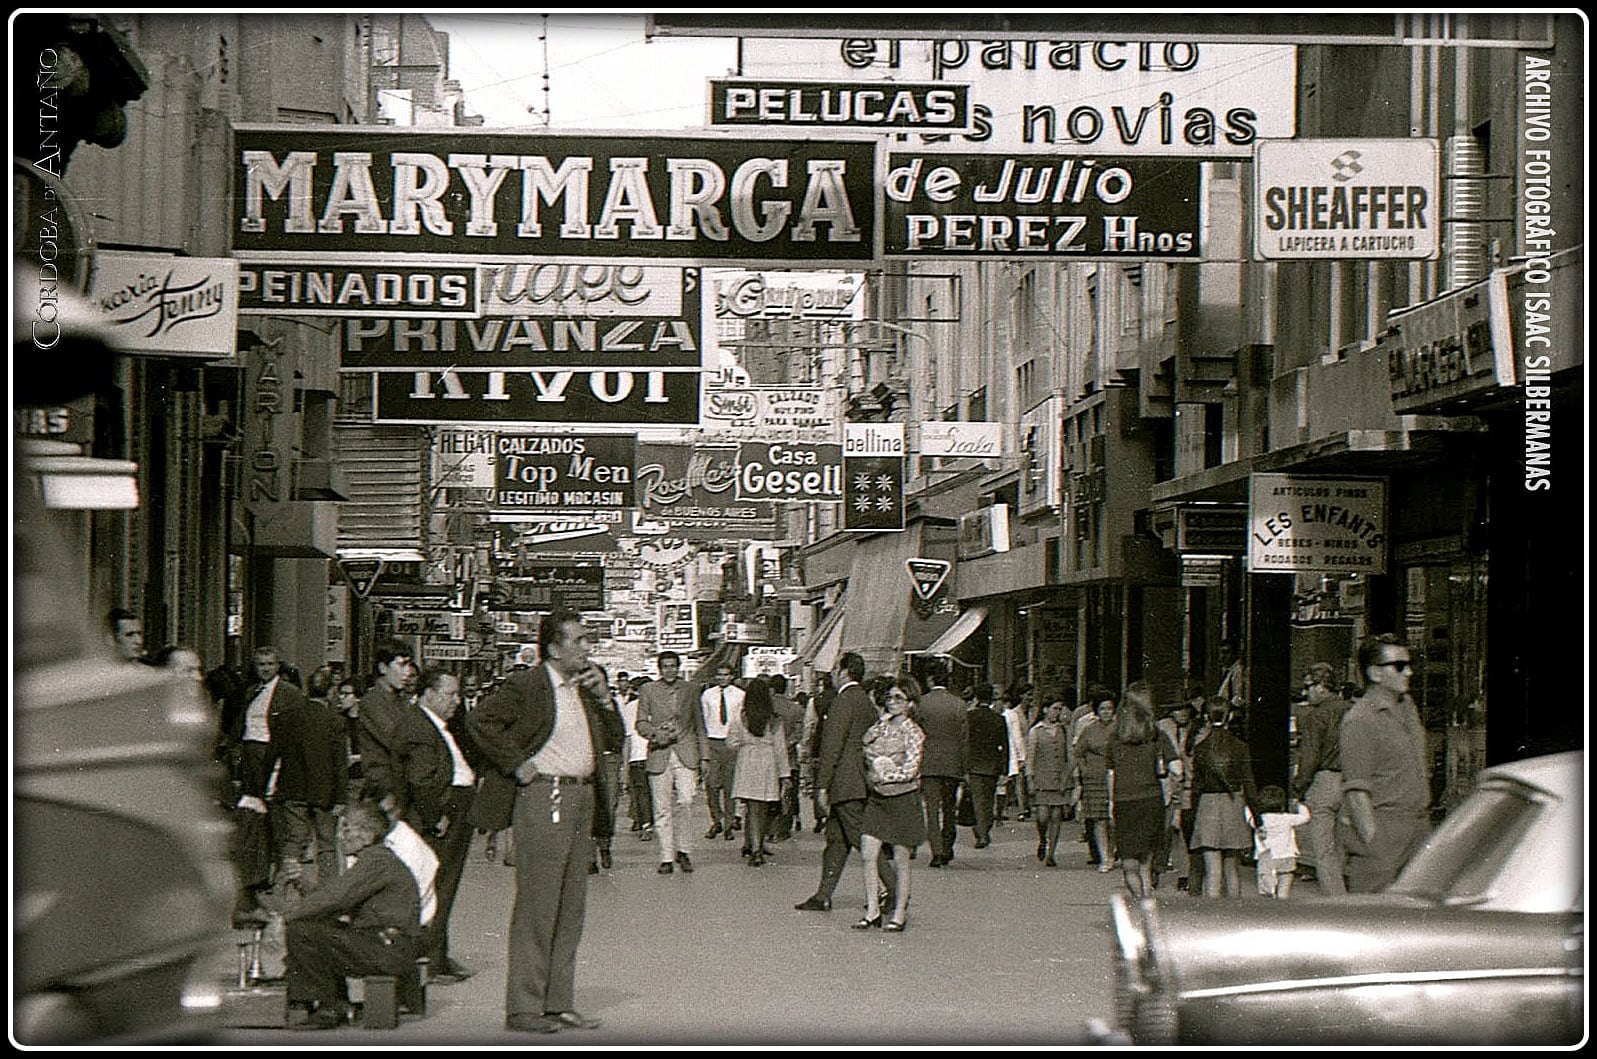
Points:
(1339, 199)
(1316, 525)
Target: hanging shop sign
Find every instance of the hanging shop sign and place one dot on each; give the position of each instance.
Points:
(597, 195)
(1451, 348)
(575, 534)
(577, 289)
(362, 574)
(692, 491)
(984, 531)
(1202, 571)
(1061, 207)
(1347, 199)
(979, 441)
(178, 306)
(793, 471)
(522, 343)
(463, 458)
(798, 412)
(873, 476)
(899, 107)
(1316, 525)
(677, 627)
(306, 288)
(1211, 529)
(927, 576)
(552, 586)
(740, 295)
(556, 396)
(768, 661)
(1126, 96)
(445, 651)
(442, 624)
(558, 472)
(72, 422)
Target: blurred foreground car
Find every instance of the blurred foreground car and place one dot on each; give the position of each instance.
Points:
(1481, 940)
(120, 886)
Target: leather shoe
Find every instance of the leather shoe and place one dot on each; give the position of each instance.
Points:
(665, 868)
(451, 973)
(714, 830)
(604, 858)
(532, 1023)
(687, 865)
(814, 904)
(936, 861)
(326, 1017)
(729, 834)
(982, 844)
(574, 1019)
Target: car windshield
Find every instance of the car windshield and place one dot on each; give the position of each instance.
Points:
(1465, 856)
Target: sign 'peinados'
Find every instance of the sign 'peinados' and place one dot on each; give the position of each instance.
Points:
(592, 195)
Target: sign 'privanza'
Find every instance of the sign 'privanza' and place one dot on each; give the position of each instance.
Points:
(1057, 206)
(593, 195)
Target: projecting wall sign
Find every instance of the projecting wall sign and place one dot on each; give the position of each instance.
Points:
(1334, 199)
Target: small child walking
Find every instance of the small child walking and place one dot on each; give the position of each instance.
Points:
(1275, 844)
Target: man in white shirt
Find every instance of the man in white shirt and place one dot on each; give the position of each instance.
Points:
(435, 785)
(721, 702)
(640, 800)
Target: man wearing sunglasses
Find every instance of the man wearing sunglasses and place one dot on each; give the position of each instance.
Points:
(1386, 789)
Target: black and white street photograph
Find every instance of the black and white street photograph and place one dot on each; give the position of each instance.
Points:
(798, 530)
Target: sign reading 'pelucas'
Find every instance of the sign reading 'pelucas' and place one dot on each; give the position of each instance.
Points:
(446, 191)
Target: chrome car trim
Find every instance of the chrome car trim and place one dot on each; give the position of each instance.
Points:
(1389, 978)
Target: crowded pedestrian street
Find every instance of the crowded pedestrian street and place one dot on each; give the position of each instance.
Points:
(775, 528)
(999, 950)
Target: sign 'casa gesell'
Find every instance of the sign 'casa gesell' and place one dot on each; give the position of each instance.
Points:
(594, 195)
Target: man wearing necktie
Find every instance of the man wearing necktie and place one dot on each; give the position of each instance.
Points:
(721, 702)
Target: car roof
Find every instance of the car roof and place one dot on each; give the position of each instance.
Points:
(1556, 774)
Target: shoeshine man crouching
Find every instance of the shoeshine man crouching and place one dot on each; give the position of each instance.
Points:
(670, 720)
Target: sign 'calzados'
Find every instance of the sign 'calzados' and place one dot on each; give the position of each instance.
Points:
(436, 191)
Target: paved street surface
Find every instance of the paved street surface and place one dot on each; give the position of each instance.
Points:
(999, 950)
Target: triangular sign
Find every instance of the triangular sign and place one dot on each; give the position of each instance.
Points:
(362, 574)
(928, 575)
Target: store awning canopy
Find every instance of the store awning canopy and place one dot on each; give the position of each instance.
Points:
(86, 483)
(968, 622)
(820, 653)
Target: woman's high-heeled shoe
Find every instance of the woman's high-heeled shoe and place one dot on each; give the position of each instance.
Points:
(895, 926)
(867, 924)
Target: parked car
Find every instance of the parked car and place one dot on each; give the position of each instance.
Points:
(1481, 940)
(121, 885)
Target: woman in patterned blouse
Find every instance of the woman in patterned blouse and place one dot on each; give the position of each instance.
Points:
(893, 813)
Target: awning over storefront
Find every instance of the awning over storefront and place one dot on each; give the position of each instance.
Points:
(820, 653)
(968, 622)
(85, 483)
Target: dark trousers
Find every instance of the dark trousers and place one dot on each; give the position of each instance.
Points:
(640, 799)
(842, 837)
(982, 788)
(551, 897)
(940, 794)
(1372, 867)
(321, 953)
(452, 850)
(305, 825)
(786, 816)
(718, 783)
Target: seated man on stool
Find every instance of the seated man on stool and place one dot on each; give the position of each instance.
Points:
(366, 921)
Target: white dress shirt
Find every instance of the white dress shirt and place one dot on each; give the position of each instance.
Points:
(257, 728)
(464, 776)
(569, 751)
(714, 726)
(418, 857)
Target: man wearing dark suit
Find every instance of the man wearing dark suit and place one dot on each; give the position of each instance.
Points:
(544, 732)
(312, 780)
(257, 732)
(840, 781)
(434, 786)
(987, 736)
(382, 901)
(941, 716)
(380, 709)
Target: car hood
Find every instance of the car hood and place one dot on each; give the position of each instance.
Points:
(1221, 944)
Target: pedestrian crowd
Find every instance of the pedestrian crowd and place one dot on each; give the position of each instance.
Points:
(353, 813)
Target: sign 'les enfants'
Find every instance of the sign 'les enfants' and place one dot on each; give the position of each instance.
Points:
(446, 191)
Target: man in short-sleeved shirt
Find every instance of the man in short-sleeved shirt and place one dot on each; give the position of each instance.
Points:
(1386, 788)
